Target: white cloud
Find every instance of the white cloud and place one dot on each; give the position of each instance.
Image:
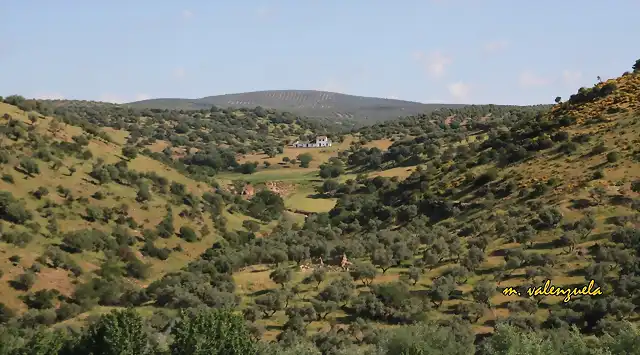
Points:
(435, 63)
(186, 14)
(571, 77)
(49, 96)
(496, 46)
(530, 79)
(393, 96)
(459, 91)
(179, 73)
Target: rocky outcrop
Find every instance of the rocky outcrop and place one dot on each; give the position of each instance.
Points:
(277, 187)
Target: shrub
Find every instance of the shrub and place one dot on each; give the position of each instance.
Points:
(599, 149)
(8, 178)
(613, 157)
(187, 233)
(13, 210)
(487, 177)
(24, 282)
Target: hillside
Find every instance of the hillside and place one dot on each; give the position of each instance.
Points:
(400, 238)
(310, 103)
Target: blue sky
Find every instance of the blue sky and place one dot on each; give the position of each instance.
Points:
(469, 51)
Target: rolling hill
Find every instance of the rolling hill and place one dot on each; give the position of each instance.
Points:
(447, 219)
(308, 103)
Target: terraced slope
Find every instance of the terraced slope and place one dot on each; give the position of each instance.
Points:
(308, 103)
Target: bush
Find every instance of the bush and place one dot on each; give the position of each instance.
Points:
(613, 157)
(12, 210)
(187, 233)
(137, 269)
(24, 282)
(599, 149)
(8, 178)
(18, 238)
(487, 177)
(305, 159)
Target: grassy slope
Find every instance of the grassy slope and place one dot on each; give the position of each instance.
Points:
(81, 186)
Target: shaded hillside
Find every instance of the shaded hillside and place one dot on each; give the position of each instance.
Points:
(317, 104)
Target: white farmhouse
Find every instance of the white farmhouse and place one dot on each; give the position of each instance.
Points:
(321, 141)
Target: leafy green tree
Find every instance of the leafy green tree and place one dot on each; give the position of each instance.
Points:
(248, 167)
(365, 272)
(383, 258)
(166, 228)
(211, 332)
(187, 233)
(305, 159)
(266, 205)
(414, 274)
(46, 342)
(441, 290)
(251, 226)
(427, 338)
(509, 339)
(30, 166)
(94, 213)
(129, 152)
(300, 347)
(281, 276)
(474, 258)
(318, 275)
(116, 333)
(329, 186)
(177, 188)
(144, 193)
(483, 291)
(24, 281)
(269, 303)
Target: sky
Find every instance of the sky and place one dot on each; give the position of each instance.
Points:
(446, 51)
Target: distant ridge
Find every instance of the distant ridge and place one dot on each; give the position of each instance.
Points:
(310, 103)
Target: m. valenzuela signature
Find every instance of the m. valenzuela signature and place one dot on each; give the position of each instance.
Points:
(549, 290)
